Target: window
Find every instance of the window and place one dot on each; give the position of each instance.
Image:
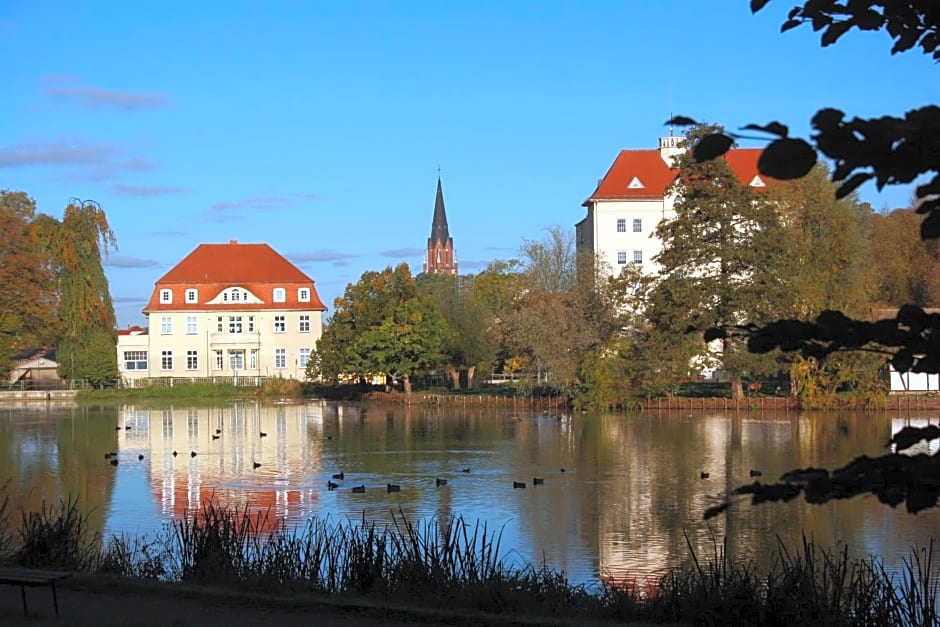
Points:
(638, 257)
(192, 360)
(218, 360)
(621, 225)
(235, 295)
(192, 325)
(253, 359)
(192, 296)
(280, 358)
(251, 324)
(280, 294)
(280, 324)
(236, 360)
(219, 326)
(303, 356)
(637, 225)
(225, 296)
(621, 257)
(166, 325)
(234, 324)
(304, 324)
(166, 360)
(303, 295)
(135, 360)
(166, 296)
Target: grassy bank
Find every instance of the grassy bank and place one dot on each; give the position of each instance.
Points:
(452, 564)
(181, 391)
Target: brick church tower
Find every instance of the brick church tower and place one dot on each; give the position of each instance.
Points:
(440, 258)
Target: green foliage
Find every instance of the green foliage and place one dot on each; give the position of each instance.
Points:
(381, 325)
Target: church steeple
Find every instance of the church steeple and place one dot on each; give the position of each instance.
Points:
(440, 257)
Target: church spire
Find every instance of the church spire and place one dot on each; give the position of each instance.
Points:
(440, 257)
(439, 232)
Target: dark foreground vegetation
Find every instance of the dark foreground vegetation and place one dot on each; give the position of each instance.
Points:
(453, 565)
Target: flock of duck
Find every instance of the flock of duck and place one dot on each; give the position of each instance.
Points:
(331, 484)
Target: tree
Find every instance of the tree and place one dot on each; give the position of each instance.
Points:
(907, 266)
(718, 261)
(28, 297)
(86, 312)
(381, 325)
(889, 150)
(467, 344)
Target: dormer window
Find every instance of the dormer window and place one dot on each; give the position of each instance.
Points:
(225, 296)
(166, 296)
(192, 296)
(235, 295)
(303, 295)
(280, 295)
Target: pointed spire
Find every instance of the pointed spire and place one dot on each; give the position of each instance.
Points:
(439, 231)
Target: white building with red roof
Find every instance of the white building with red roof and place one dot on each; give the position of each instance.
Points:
(633, 197)
(226, 310)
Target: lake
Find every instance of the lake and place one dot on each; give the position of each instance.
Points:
(623, 495)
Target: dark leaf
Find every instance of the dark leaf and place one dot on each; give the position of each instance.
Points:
(921, 497)
(835, 31)
(902, 360)
(790, 24)
(805, 475)
(757, 5)
(787, 159)
(711, 512)
(909, 436)
(680, 120)
(930, 227)
(852, 183)
(826, 119)
(774, 128)
(711, 147)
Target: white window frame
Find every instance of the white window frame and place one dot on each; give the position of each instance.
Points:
(279, 295)
(219, 360)
(280, 324)
(621, 257)
(135, 360)
(234, 324)
(621, 225)
(280, 358)
(303, 356)
(166, 296)
(192, 360)
(638, 257)
(253, 359)
(192, 325)
(192, 295)
(303, 325)
(220, 324)
(166, 360)
(251, 324)
(166, 325)
(637, 225)
(236, 360)
(303, 294)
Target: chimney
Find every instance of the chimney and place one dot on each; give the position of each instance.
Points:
(233, 241)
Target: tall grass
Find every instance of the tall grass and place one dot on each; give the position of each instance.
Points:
(452, 564)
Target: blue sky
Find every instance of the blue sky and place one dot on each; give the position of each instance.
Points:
(318, 127)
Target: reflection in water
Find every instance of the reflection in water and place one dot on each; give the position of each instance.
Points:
(622, 495)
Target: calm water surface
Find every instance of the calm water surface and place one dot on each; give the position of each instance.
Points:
(621, 494)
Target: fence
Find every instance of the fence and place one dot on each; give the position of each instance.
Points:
(172, 381)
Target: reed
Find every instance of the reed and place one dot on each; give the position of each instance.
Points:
(453, 564)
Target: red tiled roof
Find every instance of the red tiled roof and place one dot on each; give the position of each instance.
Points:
(648, 167)
(132, 330)
(211, 268)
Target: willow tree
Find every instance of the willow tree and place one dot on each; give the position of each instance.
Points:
(28, 299)
(86, 312)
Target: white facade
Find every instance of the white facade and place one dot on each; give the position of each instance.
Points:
(633, 198)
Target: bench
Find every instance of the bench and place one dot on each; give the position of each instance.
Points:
(32, 578)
